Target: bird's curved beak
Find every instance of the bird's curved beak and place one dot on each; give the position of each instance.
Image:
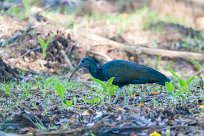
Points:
(75, 70)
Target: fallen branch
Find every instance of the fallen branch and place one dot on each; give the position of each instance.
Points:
(97, 40)
(172, 54)
(67, 59)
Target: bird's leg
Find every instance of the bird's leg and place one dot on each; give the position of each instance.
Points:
(117, 96)
(124, 95)
(119, 92)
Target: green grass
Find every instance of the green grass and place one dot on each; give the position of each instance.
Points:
(140, 19)
(194, 44)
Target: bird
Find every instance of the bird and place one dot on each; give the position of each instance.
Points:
(123, 71)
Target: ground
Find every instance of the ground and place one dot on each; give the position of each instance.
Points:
(39, 53)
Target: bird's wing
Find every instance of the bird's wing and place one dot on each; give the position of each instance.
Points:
(127, 71)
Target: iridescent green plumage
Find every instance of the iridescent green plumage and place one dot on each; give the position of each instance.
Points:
(125, 72)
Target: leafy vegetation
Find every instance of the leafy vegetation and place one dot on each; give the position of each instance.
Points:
(20, 12)
(27, 7)
(44, 45)
(179, 91)
(7, 87)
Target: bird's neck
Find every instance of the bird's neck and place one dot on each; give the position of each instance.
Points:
(95, 72)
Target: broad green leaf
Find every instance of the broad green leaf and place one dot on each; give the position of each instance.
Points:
(98, 81)
(169, 86)
(42, 43)
(182, 82)
(110, 81)
(60, 89)
(112, 90)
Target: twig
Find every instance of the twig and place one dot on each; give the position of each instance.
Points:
(67, 59)
(29, 116)
(27, 52)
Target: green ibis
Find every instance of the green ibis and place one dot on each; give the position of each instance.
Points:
(125, 72)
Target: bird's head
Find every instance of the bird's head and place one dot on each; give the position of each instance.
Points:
(84, 63)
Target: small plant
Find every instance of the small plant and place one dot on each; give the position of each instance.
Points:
(92, 98)
(44, 45)
(130, 91)
(180, 91)
(95, 100)
(7, 88)
(105, 90)
(155, 103)
(27, 7)
(193, 43)
(20, 12)
(60, 90)
(106, 87)
(26, 87)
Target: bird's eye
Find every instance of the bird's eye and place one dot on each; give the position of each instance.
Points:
(82, 61)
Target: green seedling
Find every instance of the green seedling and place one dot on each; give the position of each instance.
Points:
(27, 7)
(105, 90)
(60, 91)
(7, 88)
(50, 82)
(44, 45)
(130, 91)
(155, 103)
(26, 87)
(92, 98)
(106, 87)
(179, 91)
(95, 100)
(20, 12)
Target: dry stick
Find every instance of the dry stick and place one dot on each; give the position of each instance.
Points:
(99, 40)
(27, 52)
(67, 59)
